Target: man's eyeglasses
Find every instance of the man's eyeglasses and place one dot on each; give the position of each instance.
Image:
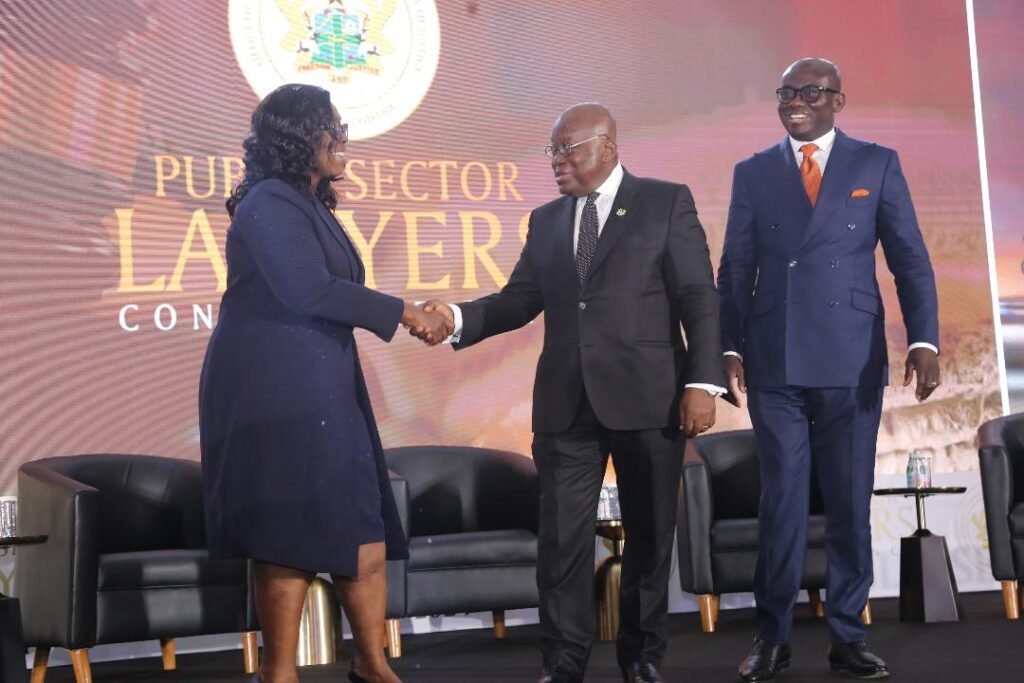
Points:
(338, 131)
(566, 150)
(808, 93)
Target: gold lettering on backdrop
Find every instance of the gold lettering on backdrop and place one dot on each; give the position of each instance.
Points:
(168, 169)
(880, 524)
(485, 173)
(162, 175)
(124, 232)
(210, 252)
(352, 176)
(211, 177)
(403, 181)
(234, 171)
(365, 247)
(414, 249)
(381, 180)
(5, 581)
(443, 167)
(505, 181)
(472, 252)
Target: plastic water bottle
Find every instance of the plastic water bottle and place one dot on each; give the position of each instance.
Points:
(919, 470)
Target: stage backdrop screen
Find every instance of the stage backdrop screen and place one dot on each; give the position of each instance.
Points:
(120, 136)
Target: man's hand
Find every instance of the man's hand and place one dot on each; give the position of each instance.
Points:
(924, 363)
(430, 326)
(433, 305)
(696, 411)
(737, 380)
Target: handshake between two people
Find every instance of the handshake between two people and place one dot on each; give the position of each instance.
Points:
(431, 322)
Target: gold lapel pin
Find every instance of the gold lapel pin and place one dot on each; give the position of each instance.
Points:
(620, 212)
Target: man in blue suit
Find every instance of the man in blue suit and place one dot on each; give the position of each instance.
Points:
(803, 329)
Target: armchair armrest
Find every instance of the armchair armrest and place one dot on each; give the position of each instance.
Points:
(693, 529)
(997, 492)
(396, 569)
(400, 490)
(53, 576)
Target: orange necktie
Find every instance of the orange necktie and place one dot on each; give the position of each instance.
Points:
(810, 173)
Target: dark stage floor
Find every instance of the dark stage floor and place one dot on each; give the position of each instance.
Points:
(982, 648)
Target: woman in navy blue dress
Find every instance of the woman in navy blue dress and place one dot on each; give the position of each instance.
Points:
(293, 471)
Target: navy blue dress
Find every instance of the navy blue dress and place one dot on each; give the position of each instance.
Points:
(293, 470)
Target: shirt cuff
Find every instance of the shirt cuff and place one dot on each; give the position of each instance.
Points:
(712, 389)
(924, 345)
(456, 334)
(733, 353)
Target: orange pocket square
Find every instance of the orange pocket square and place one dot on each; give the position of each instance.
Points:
(861, 192)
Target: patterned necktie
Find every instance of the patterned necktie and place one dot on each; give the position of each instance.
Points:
(810, 173)
(587, 243)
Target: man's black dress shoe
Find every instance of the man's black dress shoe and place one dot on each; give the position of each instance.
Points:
(641, 672)
(764, 661)
(856, 661)
(549, 676)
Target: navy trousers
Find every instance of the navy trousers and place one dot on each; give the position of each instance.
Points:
(836, 428)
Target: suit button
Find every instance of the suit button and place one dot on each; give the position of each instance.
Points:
(773, 226)
(583, 305)
(792, 264)
(851, 226)
(833, 304)
(834, 263)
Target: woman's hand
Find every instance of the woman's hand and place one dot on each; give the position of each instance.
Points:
(430, 326)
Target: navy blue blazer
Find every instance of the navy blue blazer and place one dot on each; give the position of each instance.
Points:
(293, 470)
(799, 297)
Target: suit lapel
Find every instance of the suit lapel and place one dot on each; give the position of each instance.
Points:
(333, 226)
(834, 184)
(565, 253)
(623, 209)
(787, 188)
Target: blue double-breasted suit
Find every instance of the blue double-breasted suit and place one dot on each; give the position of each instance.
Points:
(800, 304)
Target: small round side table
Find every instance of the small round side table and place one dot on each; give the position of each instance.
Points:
(607, 579)
(928, 589)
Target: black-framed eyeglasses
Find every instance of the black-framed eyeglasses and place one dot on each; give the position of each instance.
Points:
(808, 93)
(566, 150)
(338, 131)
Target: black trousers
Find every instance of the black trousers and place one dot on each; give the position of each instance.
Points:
(571, 466)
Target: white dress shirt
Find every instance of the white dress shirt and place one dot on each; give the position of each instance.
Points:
(820, 157)
(603, 203)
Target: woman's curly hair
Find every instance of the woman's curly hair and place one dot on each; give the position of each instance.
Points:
(287, 131)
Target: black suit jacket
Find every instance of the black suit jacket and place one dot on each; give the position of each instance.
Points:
(619, 337)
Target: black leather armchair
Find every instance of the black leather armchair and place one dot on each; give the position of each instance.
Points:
(717, 528)
(472, 523)
(1001, 453)
(125, 560)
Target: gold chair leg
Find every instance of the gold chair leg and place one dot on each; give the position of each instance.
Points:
(1011, 599)
(716, 601)
(250, 652)
(865, 616)
(42, 657)
(817, 606)
(707, 613)
(499, 623)
(80, 664)
(167, 652)
(394, 638)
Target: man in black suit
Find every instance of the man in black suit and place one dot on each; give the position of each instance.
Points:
(615, 265)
